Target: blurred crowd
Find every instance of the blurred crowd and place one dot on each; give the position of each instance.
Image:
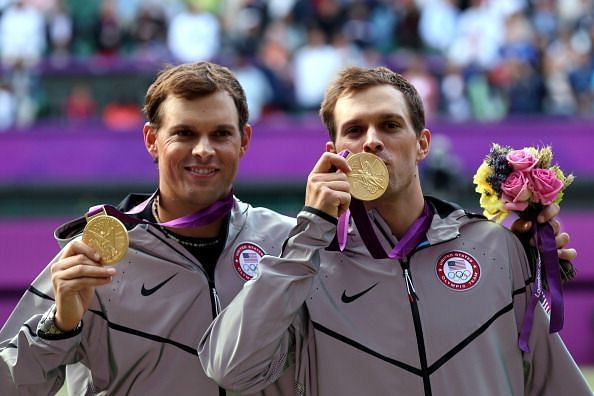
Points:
(469, 59)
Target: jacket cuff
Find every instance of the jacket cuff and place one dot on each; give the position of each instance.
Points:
(321, 214)
(47, 329)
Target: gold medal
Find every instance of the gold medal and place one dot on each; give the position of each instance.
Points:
(369, 176)
(108, 236)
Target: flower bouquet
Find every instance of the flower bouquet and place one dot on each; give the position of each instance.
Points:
(524, 181)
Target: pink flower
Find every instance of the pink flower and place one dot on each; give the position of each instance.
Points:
(545, 185)
(521, 160)
(515, 191)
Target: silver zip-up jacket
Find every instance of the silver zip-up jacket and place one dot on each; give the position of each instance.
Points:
(140, 334)
(444, 322)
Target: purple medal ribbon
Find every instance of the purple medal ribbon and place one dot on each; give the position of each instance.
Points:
(203, 217)
(413, 236)
(544, 238)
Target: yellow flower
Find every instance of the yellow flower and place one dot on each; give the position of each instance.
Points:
(493, 207)
(480, 179)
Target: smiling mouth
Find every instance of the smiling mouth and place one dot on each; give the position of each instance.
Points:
(202, 171)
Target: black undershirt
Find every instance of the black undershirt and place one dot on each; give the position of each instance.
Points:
(206, 250)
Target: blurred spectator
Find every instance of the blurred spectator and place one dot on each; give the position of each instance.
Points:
(329, 16)
(44, 6)
(560, 56)
(249, 26)
(274, 57)
(523, 87)
(149, 32)
(581, 78)
(280, 9)
(569, 11)
(109, 34)
(437, 25)
(453, 91)
(212, 6)
(382, 20)
(314, 65)
(85, 14)
(348, 52)
(544, 20)
(22, 35)
(519, 40)
(486, 102)
(60, 29)
(478, 38)
(7, 107)
(24, 83)
(357, 27)
(127, 10)
(80, 105)
(193, 35)
(123, 115)
(258, 91)
(406, 31)
(487, 57)
(425, 83)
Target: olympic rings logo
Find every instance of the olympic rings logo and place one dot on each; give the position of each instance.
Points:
(459, 275)
(246, 258)
(249, 267)
(458, 270)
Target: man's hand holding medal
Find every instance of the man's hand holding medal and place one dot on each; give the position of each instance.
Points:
(82, 268)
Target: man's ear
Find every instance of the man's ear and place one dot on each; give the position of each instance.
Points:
(330, 147)
(245, 139)
(150, 140)
(423, 143)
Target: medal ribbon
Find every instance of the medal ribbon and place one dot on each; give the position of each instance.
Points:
(544, 240)
(413, 236)
(208, 215)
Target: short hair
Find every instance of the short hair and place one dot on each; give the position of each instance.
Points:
(190, 81)
(356, 79)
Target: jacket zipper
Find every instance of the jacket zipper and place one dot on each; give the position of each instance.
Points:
(215, 301)
(413, 298)
(215, 305)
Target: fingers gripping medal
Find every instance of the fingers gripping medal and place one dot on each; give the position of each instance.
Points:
(107, 235)
(369, 176)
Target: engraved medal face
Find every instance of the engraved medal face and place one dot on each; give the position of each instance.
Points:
(369, 176)
(108, 236)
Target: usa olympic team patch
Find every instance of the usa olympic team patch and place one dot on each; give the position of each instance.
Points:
(458, 270)
(246, 259)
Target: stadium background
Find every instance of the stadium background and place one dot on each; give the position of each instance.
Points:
(515, 72)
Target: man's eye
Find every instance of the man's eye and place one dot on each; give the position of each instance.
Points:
(222, 133)
(183, 132)
(392, 125)
(353, 131)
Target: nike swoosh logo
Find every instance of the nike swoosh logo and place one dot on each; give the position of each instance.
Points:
(147, 292)
(349, 299)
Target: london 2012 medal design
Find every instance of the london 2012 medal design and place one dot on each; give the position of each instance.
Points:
(108, 236)
(369, 176)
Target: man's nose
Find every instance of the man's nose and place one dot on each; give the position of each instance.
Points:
(203, 148)
(373, 142)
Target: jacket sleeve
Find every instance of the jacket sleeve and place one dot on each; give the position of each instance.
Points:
(549, 368)
(254, 338)
(30, 364)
